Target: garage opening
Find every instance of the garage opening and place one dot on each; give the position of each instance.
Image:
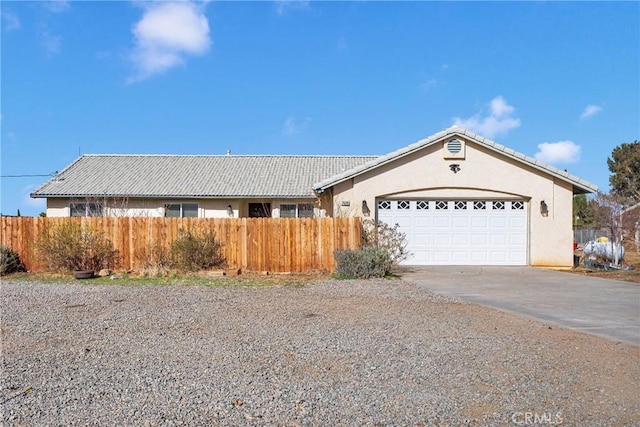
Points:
(460, 232)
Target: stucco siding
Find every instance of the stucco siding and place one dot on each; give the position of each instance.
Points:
(207, 208)
(483, 174)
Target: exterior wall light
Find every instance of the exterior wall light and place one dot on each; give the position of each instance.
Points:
(365, 208)
(230, 211)
(544, 209)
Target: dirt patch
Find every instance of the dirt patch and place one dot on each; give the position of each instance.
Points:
(632, 259)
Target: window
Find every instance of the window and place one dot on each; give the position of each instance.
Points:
(404, 204)
(384, 204)
(498, 205)
(442, 205)
(287, 211)
(517, 206)
(86, 209)
(303, 210)
(460, 205)
(181, 210)
(479, 205)
(422, 204)
(259, 210)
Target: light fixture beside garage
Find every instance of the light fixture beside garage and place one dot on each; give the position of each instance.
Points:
(365, 208)
(544, 209)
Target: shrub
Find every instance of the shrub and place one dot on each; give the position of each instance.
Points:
(377, 234)
(154, 259)
(9, 261)
(70, 246)
(364, 263)
(196, 250)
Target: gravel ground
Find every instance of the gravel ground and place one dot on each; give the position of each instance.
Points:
(332, 353)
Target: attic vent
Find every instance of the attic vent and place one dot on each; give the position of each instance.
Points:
(454, 146)
(454, 149)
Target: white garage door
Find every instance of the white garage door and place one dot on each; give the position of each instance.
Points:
(460, 232)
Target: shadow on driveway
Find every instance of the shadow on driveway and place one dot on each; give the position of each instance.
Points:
(608, 308)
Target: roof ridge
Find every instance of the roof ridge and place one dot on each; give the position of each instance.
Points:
(227, 155)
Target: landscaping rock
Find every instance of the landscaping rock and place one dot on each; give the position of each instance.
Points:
(362, 353)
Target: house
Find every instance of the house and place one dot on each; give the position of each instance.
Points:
(461, 199)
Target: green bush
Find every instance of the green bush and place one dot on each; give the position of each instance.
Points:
(364, 263)
(9, 261)
(193, 250)
(70, 246)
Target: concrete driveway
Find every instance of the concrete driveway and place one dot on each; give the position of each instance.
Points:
(608, 308)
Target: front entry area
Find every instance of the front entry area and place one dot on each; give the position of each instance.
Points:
(460, 232)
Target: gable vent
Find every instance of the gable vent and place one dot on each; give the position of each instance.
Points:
(454, 146)
(454, 149)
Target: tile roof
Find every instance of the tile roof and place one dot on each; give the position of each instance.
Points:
(579, 185)
(187, 176)
(244, 176)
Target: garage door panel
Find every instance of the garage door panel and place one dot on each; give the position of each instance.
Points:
(460, 233)
(423, 222)
(498, 239)
(460, 239)
(441, 257)
(461, 222)
(498, 222)
(403, 221)
(442, 222)
(479, 257)
(518, 222)
(479, 240)
(441, 239)
(479, 222)
(461, 257)
(422, 239)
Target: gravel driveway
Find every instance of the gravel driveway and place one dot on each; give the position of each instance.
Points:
(332, 353)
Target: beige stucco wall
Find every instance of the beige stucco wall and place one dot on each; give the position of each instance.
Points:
(483, 174)
(207, 208)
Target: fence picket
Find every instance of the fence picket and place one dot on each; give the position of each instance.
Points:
(254, 244)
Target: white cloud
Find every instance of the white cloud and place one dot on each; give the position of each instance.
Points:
(166, 34)
(284, 6)
(497, 121)
(292, 126)
(11, 21)
(590, 111)
(558, 152)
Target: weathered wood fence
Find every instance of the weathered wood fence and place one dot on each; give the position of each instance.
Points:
(253, 244)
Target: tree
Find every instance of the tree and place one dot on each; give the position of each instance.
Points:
(583, 211)
(609, 210)
(624, 166)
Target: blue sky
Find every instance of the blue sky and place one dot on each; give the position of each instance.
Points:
(558, 81)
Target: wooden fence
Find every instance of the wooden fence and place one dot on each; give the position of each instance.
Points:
(253, 244)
